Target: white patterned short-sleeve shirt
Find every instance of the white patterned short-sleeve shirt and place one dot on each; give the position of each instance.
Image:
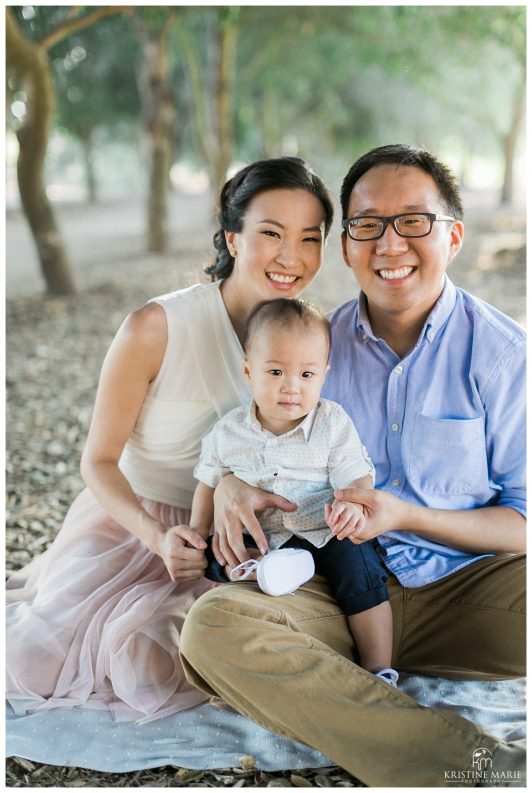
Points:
(305, 465)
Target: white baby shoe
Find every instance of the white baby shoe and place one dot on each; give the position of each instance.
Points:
(280, 572)
(390, 676)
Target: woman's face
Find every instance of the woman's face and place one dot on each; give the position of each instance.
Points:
(280, 248)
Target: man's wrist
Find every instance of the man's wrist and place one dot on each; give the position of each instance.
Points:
(411, 517)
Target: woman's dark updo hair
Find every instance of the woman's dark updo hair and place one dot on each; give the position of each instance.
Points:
(279, 173)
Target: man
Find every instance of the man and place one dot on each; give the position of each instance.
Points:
(434, 380)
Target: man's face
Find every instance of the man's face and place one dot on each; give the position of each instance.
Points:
(402, 277)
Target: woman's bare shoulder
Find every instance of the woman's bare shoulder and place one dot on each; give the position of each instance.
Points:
(146, 326)
(140, 342)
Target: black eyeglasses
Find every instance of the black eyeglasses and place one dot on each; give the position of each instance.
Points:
(414, 224)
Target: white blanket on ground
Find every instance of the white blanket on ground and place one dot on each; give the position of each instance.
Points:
(207, 737)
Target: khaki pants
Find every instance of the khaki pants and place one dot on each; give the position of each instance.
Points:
(286, 663)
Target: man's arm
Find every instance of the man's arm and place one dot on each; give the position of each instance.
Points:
(486, 529)
(500, 528)
(496, 529)
(235, 505)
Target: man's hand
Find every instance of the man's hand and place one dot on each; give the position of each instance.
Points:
(182, 550)
(382, 511)
(235, 505)
(345, 519)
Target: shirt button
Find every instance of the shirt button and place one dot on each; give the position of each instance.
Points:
(396, 482)
(399, 369)
(430, 335)
(365, 336)
(395, 427)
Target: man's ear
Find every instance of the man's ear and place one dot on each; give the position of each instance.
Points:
(344, 249)
(457, 239)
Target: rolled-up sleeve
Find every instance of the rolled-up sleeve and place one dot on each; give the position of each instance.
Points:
(505, 406)
(348, 459)
(210, 469)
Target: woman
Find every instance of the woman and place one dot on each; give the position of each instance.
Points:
(96, 619)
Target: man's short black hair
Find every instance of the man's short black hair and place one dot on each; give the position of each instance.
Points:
(402, 154)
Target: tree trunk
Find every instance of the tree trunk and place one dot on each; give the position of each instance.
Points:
(509, 142)
(159, 114)
(30, 63)
(212, 88)
(227, 35)
(85, 137)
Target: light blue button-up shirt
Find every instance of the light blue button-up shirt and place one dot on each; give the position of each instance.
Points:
(444, 426)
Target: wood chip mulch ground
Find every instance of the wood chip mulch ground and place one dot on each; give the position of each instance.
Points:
(54, 351)
(55, 347)
(23, 773)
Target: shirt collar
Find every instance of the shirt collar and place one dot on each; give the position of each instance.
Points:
(305, 427)
(437, 318)
(441, 311)
(362, 319)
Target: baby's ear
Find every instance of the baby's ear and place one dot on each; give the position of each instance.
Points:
(245, 369)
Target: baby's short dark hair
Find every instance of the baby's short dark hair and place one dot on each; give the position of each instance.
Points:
(290, 314)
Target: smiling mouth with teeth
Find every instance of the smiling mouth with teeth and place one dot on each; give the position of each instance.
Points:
(282, 279)
(395, 275)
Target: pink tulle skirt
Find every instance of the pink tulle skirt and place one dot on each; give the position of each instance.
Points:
(95, 621)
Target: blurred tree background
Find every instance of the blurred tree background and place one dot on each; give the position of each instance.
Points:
(108, 102)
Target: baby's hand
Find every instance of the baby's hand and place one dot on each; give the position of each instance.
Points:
(345, 519)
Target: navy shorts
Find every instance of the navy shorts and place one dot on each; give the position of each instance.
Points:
(355, 573)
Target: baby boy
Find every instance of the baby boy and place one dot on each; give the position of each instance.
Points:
(291, 442)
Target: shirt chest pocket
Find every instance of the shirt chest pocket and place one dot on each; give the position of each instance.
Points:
(448, 456)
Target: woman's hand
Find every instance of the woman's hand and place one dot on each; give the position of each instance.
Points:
(382, 511)
(235, 505)
(182, 550)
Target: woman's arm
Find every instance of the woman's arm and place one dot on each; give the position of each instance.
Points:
(496, 529)
(132, 362)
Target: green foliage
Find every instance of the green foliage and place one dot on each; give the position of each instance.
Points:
(360, 75)
(94, 74)
(324, 81)
(37, 21)
(93, 69)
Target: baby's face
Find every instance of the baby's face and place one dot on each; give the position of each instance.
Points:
(286, 370)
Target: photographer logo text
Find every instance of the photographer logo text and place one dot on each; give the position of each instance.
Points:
(482, 770)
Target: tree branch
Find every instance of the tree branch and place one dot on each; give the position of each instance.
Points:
(71, 25)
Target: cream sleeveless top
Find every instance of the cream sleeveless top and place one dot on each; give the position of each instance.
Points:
(199, 381)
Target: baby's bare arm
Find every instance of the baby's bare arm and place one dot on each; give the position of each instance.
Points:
(202, 514)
